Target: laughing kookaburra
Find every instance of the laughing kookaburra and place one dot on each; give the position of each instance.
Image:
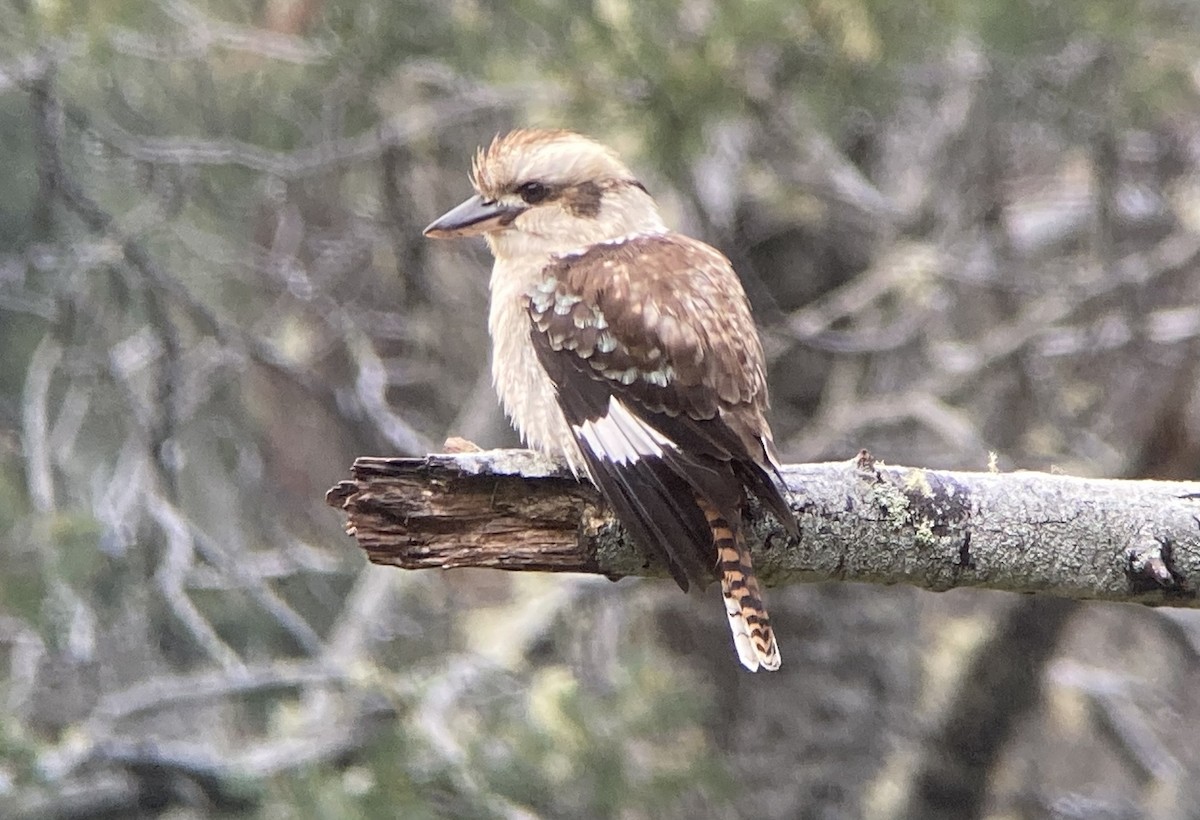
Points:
(629, 351)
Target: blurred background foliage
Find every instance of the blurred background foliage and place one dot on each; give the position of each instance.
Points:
(969, 230)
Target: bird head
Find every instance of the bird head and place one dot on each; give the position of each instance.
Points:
(542, 192)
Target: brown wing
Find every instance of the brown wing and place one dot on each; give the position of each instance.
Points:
(659, 371)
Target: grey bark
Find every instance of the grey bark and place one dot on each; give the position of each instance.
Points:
(1135, 541)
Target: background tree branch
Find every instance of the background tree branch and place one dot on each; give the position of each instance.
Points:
(859, 520)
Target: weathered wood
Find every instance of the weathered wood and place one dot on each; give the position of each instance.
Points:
(859, 520)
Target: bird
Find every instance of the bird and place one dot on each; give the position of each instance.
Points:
(629, 351)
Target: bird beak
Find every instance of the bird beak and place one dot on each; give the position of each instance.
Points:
(475, 216)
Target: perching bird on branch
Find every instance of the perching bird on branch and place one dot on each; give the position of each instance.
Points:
(630, 351)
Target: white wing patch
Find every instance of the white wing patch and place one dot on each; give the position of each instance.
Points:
(621, 437)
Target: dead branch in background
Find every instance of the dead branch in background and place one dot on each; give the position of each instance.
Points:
(1136, 541)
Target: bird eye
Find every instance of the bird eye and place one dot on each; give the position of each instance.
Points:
(533, 192)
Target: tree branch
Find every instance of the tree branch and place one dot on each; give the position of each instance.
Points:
(859, 521)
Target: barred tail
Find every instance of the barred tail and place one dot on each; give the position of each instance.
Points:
(748, 619)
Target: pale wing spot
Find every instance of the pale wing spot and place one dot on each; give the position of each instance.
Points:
(563, 303)
(661, 377)
(606, 343)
